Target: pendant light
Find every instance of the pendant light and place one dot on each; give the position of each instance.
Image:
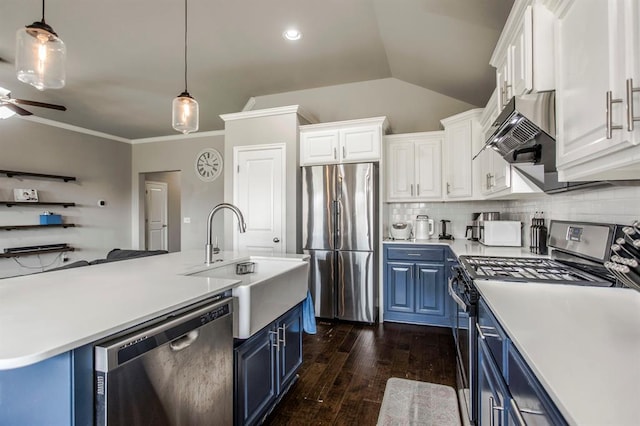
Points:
(185, 112)
(40, 56)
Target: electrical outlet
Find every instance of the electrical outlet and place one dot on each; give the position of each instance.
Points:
(65, 257)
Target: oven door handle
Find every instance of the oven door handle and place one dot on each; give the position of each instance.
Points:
(455, 297)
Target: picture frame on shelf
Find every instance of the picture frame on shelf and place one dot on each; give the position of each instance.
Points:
(28, 195)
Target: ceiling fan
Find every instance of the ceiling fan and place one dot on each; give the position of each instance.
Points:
(7, 101)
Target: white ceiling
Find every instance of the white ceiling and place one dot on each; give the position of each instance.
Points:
(125, 57)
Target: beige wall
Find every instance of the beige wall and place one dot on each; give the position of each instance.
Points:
(408, 107)
(103, 171)
(275, 129)
(197, 197)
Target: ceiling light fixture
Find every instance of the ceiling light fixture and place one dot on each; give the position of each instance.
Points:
(185, 112)
(292, 34)
(40, 56)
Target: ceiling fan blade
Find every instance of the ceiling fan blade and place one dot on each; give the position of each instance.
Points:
(40, 104)
(15, 108)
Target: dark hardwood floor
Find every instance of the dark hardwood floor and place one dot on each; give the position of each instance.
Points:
(346, 367)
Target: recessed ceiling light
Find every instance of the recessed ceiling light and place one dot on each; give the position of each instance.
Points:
(292, 34)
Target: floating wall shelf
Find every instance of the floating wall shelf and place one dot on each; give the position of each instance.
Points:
(13, 173)
(34, 252)
(22, 227)
(31, 203)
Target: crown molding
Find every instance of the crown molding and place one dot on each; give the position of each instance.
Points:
(270, 112)
(73, 128)
(177, 137)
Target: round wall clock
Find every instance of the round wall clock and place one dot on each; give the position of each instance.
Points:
(208, 164)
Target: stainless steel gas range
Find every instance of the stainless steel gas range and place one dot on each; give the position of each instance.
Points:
(580, 253)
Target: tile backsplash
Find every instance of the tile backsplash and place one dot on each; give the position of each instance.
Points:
(616, 204)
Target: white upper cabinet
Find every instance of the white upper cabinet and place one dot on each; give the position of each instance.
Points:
(413, 164)
(598, 69)
(524, 56)
(462, 131)
(342, 142)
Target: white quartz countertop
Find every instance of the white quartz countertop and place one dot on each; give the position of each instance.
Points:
(582, 343)
(43, 315)
(467, 247)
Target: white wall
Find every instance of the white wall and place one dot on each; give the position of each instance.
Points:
(103, 171)
(619, 205)
(197, 197)
(408, 107)
(273, 129)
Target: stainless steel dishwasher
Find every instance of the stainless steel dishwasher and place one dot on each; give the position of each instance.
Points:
(176, 372)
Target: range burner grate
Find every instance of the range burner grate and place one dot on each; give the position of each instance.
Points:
(527, 269)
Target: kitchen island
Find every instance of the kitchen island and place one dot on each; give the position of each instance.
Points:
(582, 344)
(51, 320)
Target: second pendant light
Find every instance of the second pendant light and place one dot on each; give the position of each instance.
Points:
(185, 111)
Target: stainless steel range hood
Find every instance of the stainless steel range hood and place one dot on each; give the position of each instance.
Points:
(524, 135)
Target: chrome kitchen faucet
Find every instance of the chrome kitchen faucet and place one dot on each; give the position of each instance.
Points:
(242, 226)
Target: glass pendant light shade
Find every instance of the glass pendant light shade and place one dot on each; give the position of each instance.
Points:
(40, 57)
(185, 113)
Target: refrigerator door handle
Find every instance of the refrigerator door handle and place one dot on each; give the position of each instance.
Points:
(337, 208)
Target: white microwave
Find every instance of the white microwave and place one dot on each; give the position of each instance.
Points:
(501, 233)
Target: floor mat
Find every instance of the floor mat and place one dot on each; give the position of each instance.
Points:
(409, 402)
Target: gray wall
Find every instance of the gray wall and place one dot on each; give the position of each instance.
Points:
(174, 217)
(408, 107)
(276, 129)
(103, 171)
(197, 197)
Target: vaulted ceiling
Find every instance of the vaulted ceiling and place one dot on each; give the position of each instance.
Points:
(125, 57)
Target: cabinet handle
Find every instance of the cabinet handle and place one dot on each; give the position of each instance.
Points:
(275, 339)
(335, 153)
(610, 126)
(284, 335)
(414, 254)
(448, 188)
(418, 189)
(630, 117)
(484, 336)
(493, 408)
(411, 189)
(488, 181)
(344, 152)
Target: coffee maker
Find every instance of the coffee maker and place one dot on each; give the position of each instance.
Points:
(443, 230)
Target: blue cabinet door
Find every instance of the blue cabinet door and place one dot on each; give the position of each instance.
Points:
(255, 379)
(492, 396)
(400, 287)
(290, 356)
(430, 294)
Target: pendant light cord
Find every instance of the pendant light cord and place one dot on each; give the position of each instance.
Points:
(185, 45)
(43, 11)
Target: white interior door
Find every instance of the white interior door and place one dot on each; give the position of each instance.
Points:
(157, 226)
(259, 192)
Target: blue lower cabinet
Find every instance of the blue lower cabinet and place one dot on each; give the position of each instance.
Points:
(265, 366)
(415, 289)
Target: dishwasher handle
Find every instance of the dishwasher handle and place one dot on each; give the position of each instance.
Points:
(177, 331)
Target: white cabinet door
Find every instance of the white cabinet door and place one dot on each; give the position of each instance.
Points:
(400, 170)
(632, 68)
(590, 56)
(522, 55)
(414, 166)
(428, 168)
(500, 177)
(458, 142)
(319, 147)
(260, 194)
(360, 144)
(504, 80)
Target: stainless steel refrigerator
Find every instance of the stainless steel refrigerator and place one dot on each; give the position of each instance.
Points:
(340, 233)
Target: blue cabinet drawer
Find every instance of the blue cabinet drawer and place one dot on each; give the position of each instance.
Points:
(416, 253)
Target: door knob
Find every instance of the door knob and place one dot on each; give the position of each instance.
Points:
(276, 240)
